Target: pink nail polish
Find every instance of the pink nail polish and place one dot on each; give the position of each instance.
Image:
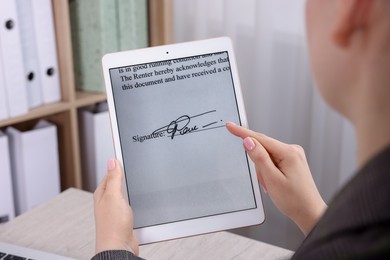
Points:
(111, 165)
(249, 144)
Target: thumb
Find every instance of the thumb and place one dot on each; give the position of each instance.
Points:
(267, 173)
(114, 177)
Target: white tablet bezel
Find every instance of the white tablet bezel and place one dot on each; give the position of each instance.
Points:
(204, 224)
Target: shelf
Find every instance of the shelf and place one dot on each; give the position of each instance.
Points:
(64, 114)
(35, 113)
(88, 98)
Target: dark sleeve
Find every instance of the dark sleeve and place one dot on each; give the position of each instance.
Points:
(117, 255)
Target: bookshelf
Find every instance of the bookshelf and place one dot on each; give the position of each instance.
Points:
(161, 22)
(64, 113)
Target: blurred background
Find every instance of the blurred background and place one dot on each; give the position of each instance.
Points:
(52, 91)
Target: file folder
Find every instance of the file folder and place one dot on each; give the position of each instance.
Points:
(30, 53)
(12, 60)
(34, 164)
(7, 211)
(3, 93)
(96, 144)
(94, 33)
(133, 24)
(47, 50)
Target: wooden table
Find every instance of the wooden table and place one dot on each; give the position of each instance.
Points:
(65, 226)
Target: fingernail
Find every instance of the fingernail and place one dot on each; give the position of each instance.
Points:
(249, 144)
(264, 189)
(111, 165)
(230, 123)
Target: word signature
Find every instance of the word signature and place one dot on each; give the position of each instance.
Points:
(181, 125)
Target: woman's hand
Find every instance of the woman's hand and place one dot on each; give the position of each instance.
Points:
(113, 215)
(283, 172)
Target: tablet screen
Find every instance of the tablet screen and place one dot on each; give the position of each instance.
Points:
(180, 161)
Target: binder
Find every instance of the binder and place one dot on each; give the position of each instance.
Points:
(95, 33)
(133, 24)
(7, 211)
(47, 50)
(30, 53)
(3, 94)
(34, 164)
(11, 58)
(96, 144)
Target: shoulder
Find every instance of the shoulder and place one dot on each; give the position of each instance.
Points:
(370, 242)
(357, 222)
(117, 255)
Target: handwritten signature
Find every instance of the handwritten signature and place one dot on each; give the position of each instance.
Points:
(181, 125)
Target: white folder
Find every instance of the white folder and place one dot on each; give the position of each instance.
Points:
(11, 57)
(47, 50)
(35, 165)
(96, 144)
(7, 210)
(30, 53)
(3, 93)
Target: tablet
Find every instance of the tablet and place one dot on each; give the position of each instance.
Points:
(185, 173)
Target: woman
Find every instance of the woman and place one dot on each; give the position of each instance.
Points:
(349, 42)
